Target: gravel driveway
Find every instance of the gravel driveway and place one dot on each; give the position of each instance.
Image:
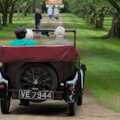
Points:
(90, 110)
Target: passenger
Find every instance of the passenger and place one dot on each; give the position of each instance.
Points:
(59, 32)
(23, 38)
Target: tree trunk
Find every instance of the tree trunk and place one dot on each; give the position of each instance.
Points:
(92, 18)
(4, 11)
(4, 19)
(26, 11)
(11, 14)
(0, 22)
(99, 21)
(115, 29)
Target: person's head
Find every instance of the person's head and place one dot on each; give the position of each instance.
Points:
(38, 11)
(29, 34)
(20, 33)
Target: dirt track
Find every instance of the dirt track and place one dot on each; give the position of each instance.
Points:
(57, 111)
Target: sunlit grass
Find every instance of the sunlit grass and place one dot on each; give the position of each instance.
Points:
(102, 57)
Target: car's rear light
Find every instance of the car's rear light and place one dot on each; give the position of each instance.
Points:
(2, 86)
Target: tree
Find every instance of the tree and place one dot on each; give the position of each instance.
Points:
(0, 22)
(7, 10)
(11, 10)
(4, 5)
(115, 29)
(93, 11)
(66, 6)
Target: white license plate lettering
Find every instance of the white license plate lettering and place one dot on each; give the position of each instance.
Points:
(40, 95)
(49, 95)
(43, 96)
(27, 94)
(34, 95)
(22, 93)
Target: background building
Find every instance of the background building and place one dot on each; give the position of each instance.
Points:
(54, 2)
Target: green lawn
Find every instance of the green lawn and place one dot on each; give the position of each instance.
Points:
(18, 21)
(102, 56)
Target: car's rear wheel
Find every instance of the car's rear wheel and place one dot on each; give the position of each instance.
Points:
(5, 105)
(80, 90)
(80, 99)
(71, 109)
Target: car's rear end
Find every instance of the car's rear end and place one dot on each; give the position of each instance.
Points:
(40, 73)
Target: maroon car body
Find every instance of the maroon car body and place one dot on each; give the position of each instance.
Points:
(60, 57)
(39, 73)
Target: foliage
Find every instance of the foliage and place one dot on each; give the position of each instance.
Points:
(93, 11)
(9, 7)
(115, 28)
(115, 4)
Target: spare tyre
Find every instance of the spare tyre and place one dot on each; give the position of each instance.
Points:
(39, 76)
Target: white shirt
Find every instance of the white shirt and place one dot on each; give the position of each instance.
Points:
(50, 10)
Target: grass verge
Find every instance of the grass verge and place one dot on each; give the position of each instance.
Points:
(102, 57)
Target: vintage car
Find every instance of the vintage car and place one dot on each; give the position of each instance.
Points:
(50, 71)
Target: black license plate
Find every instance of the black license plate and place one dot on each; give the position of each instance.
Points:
(36, 95)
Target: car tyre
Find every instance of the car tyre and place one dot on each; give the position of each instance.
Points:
(80, 99)
(80, 90)
(71, 109)
(5, 105)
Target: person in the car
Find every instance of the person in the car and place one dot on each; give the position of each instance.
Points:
(24, 37)
(59, 32)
